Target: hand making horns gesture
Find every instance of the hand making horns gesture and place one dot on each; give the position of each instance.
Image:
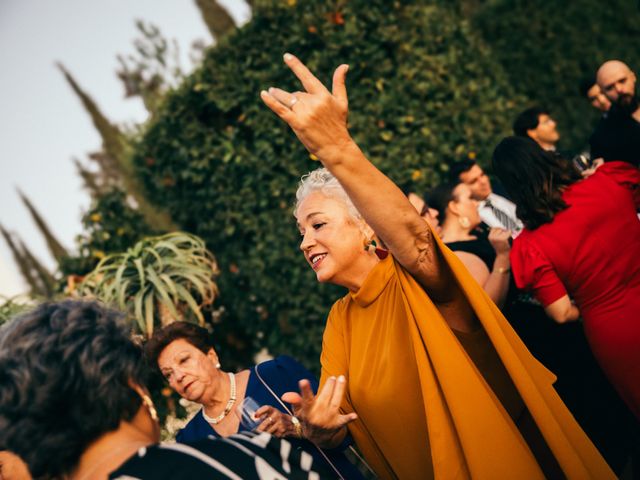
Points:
(317, 117)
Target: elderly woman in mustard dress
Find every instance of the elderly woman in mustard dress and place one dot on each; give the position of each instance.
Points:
(417, 362)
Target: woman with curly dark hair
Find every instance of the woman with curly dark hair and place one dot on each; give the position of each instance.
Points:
(579, 251)
(73, 404)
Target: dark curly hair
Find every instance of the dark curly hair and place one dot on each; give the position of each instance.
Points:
(197, 336)
(533, 178)
(65, 374)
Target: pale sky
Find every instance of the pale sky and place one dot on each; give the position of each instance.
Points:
(42, 123)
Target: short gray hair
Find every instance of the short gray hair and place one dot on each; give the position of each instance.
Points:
(322, 180)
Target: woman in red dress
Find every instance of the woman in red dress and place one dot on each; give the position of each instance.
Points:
(580, 251)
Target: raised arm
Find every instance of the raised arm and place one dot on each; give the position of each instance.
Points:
(319, 120)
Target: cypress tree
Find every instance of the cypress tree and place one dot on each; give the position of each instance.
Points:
(113, 143)
(55, 247)
(216, 17)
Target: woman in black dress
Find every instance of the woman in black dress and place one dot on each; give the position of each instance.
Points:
(484, 252)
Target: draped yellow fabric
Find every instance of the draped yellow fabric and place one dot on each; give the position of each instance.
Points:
(425, 411)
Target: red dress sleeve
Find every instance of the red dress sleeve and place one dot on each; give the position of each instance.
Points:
(623, 174)
(533, 272)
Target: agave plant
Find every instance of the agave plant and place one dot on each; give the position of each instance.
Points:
(158, 280)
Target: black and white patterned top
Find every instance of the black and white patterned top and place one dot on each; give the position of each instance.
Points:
(238, 457)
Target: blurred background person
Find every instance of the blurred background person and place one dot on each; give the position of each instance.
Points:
(430, 215)
(496, 211)
(486, 257)
(536, 124)
(617, 135)
(73, 404)
(184, 355)
(572, 251)
(590, 90)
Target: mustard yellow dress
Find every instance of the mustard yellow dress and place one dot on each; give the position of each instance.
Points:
(424, 409)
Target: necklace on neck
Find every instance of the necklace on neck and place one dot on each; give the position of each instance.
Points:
(230, 403)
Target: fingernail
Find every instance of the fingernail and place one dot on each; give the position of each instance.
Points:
(341, 378)
(287, 57)
(270, 90)
(346, 69)
(263, 93)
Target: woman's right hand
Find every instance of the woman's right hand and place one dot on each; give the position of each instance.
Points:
(322, 422)
(499, 239)
(316, 115)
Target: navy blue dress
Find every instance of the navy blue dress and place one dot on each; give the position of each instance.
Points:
(282, 374)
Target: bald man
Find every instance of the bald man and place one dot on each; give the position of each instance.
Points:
(617, 136)
(618, 83)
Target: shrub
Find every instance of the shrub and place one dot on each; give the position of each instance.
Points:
(110, 226)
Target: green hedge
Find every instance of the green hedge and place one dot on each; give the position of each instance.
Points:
(110, 225)
(547, 47)
(423, 91)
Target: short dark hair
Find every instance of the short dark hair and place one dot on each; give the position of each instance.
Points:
(533, 178)
(528, 120)
(440, 197)
(66, 370)
(585, 85)
(458, 168)
(197, 336)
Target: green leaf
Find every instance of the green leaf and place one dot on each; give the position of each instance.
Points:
(193, 306)
(148, 312)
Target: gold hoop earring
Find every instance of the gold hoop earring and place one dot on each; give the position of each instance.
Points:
(148, 403)
(464, 222)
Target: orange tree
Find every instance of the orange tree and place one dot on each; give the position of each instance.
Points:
(423, 90)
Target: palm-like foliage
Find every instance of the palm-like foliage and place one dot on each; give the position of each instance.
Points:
(158, 280)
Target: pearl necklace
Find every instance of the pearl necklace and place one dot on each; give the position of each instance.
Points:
(230, 403)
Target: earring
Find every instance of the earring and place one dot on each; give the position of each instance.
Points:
(148, 403)
(464, 222)
(368, 244)
(218, 366)
(380, 253)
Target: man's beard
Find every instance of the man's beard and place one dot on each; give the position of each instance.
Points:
(627, 104)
